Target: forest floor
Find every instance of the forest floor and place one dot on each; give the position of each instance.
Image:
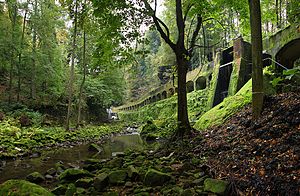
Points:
(258, 156)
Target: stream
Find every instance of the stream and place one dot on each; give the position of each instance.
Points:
(72, 156)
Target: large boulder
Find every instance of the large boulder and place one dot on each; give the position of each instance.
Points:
(117, 177)
(215, 186)
(35, 177)
(73, 175)
(22, 187)
(156, 178)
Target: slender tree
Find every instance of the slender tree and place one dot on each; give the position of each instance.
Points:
(183, 55)
(72, 67)
(257, 72)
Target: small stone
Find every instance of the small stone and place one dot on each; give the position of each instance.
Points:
(48, 177)
(215, 186)
(51, 171)
(70, 190)
(101, 182)
(60, 190)
(128, 184)
(84, 182)
(115, 163)
(156, 178)
(132, 172)
(117, 177)
(74, 174)
(200, 181)
(118, 154)
(35, 177)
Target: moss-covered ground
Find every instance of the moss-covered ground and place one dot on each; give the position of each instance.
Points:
(17, 140)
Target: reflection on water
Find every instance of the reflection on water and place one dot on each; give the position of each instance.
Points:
(69, 156)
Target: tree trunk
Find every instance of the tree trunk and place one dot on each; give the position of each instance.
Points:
(20, 57)
(257, 72)
(34, 44)
(71, 80)
(12, 55)
(83, 80)
(182, 113)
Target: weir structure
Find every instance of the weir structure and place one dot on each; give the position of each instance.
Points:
(230, 69)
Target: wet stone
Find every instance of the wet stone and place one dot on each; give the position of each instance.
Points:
(35, 177)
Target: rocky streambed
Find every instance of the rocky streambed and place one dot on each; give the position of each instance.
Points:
(122, 166)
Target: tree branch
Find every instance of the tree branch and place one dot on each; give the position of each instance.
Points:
(195, 34)
(158, 22)
(187, 11)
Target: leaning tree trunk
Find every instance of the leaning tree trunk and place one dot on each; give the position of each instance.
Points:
(257, 72)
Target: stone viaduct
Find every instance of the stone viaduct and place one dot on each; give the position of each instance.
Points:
(230, 69)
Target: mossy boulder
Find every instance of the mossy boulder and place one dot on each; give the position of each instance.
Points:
(35, 177)
(22, 187)
(59, 190)
(84, 182)
(132, 172)
(117, 162)
(156, 178)
(117, 177)
(71, 175)
(101, 181)
(215, 186)
(70, 190)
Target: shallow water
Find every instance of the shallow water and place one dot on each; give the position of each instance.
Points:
(72, 156)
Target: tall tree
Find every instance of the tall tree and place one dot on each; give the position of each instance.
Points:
(72, 67)
(183, 52)
(257, 72)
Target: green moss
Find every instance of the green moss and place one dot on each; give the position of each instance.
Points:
(22, 187)
(215, 186)
(225, 109)
(230, 105)
(213, 83)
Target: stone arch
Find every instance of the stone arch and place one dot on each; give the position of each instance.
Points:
(189, 86)
(158, 97)
(289, 53)
(171, 92)
(201, 83)
(164, 95)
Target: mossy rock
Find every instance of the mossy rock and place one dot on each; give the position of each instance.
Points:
(117, 162)
(156, 178)
(132, 172)
(215, 186)
(117, 177)
(73, 174)
(101, 182)
(35, 177)
(71, 190)
(60, 190)
(22, 187)
(84, 182)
